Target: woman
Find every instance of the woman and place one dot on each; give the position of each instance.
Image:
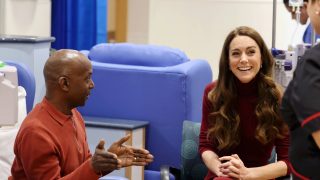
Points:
(301, 108)
(241, 118)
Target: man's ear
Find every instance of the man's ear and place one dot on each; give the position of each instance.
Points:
(64, 83)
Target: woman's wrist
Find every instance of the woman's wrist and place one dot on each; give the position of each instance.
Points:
(250, 174)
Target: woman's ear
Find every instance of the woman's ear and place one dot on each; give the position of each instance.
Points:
(317, 3)
(64, 83)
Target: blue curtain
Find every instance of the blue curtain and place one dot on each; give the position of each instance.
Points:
(78, 24)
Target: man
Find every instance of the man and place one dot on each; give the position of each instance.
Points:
(303, 20)
(51, 142)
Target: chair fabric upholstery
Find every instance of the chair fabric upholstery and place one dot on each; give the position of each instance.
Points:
(27, 81)
(192, 164)
(139, 55)
(162, 95)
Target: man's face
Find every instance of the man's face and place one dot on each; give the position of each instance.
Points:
(80, 83)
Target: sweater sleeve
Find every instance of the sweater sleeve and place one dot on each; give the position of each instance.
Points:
(204, 143)
(40, 160)
(282, 149)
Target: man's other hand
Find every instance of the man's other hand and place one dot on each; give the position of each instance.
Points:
(104, 162)
(130, 155)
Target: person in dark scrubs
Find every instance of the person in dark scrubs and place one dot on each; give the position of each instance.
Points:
(301, 108)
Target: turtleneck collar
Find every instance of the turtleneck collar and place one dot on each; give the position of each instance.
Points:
(247, 89)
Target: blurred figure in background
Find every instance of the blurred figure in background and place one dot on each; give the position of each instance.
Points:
(303, 20)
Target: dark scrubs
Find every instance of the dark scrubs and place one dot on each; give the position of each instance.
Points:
(301, 110)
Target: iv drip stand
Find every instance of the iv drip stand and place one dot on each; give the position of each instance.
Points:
(274, 23)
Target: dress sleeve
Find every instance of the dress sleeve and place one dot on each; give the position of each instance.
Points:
(306, 91)
(44, 163)
(204, 143)
(282, 150)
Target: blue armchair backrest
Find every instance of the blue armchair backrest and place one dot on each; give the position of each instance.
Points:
(27, 81)
(140, 55)
(162, 95)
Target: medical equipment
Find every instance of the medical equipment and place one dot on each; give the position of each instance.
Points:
(296, 4)
(8, 95)
(286, 62)
(281, 68)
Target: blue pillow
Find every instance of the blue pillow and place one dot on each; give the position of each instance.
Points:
(134, 54)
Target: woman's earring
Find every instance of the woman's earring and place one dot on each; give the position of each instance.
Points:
(261, 66)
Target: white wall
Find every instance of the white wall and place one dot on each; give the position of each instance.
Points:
(138, 21)
(25, 17)
(199, 27)
(111, 19)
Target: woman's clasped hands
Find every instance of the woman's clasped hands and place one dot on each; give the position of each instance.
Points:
(233, 167)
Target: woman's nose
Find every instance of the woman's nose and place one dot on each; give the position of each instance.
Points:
(243, 58)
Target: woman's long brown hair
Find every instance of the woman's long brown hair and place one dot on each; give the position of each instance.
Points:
(224, 121)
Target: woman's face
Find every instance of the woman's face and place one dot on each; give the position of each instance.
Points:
(314, 14)
(244, 58)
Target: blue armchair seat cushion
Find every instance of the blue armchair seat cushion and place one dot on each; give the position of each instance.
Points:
(140, 55)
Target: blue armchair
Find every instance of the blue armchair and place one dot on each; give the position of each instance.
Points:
(151, 83)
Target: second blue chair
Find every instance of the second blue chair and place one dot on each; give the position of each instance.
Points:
(151, 83)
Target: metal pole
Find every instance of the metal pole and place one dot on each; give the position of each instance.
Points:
(313, 37)
(274, 23)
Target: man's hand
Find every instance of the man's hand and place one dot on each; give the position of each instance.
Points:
(104, 162)
(129, 155)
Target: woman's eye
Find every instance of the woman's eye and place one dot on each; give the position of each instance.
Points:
(235, 54)
(252, 52)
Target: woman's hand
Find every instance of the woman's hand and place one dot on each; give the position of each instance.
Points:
(234, 167)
